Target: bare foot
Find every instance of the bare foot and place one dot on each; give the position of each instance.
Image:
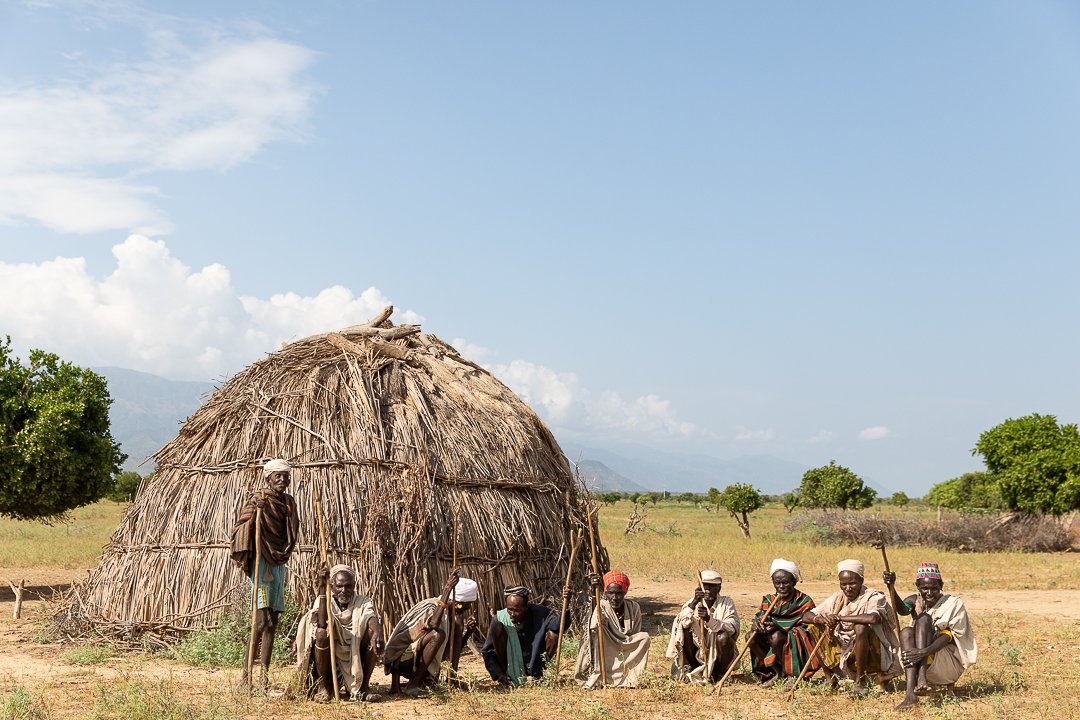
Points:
(908, 701)
(922, 690)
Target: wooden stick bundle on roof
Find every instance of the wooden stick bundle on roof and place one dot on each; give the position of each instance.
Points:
(396, 428)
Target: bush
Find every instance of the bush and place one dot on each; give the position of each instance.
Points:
(225, 645)
(18, 703)
(970, 491)
(124, 487)
(970, 532)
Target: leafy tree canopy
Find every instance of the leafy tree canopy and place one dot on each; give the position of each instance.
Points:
(970, 491)
(740, 500)
(1036, 463)
(124, 486)
(834, 486)
(899, 499)
(56, 452)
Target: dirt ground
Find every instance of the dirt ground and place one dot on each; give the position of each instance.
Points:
(26, 662)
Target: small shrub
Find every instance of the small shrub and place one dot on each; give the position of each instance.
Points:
(89, 654)
(225, 645)
(133, 700)
(18, 703)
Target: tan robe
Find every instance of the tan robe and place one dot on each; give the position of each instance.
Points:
(350, 629)
(869, 602)
(405, 636)
(949, 613)
(626, 648)
(722, 615)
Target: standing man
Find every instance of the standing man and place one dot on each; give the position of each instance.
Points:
(278, 532)
(939, 644)
(862, 634)
(358, 639)
(626, 647)
(685, 646)
(520, 638)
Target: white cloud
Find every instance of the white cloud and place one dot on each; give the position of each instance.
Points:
(822, 436)
(153, 313)
(877, 432)
(205, 100)
(476, 353)
(745, 435)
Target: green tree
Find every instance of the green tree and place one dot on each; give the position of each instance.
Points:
(970, 491)
(124, 486)
(1036, 463)
(609, 498)
(713, 497)
(652, 497)
(834, 486)
(790, 501)
(56, 452)
(686, 497)
(899, 499)
(739, 500)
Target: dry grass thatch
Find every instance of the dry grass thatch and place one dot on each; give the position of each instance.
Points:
(398, 431)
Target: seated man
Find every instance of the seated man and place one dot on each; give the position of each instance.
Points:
(520, 639)
(861, 628)
(939, 645)
(686, 647)
(626, 648)
(358, 639)
(418, 644)
(781, 643)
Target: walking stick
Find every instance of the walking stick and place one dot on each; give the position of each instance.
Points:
(254, 598)
(329, 609)
(885, 558)
(810, 660)
(704, 640)
(739, 657)
(453, 603)
(562, 618)
(599, 619)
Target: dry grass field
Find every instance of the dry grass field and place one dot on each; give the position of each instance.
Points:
(1025, 609)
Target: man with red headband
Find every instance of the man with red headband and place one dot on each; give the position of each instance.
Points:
(939, 644)
(626, 648)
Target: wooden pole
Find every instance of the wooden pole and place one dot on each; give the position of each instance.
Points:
(329, 599)
(453, 603)
(810, 660)
(738, 659)
(574, 541)
(254, 597)
(16, 613)
(704, 629)
(599, 617)
(895, 614)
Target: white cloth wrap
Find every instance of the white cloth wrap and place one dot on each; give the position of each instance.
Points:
(722, 616)
(350, 629)
(782, 564)
(626, 648)
(276, 465)
(853, 566)
(949, 613)
(466, 590)
(869, 602)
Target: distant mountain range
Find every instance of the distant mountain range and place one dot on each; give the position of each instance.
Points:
(147, 412)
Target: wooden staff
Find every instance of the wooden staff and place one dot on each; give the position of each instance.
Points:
(329, 609)
(885, 559)
(453, 603)
(562, 617)
(254, 598)
(599, 618)
(704, 627)
(739, 657)
(810, 660)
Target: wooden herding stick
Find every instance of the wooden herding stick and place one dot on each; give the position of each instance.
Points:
(329, 598)
(599, 617)
(453, 603)
(574, 541)
(885, 559)
(739, 657)
(704, 639)
(254, 598)
(810, 660)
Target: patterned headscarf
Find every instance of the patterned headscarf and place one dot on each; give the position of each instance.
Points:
(928, 570)
(519, 590)
(617, 578)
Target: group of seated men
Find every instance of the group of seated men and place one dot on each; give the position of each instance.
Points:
(851, 634)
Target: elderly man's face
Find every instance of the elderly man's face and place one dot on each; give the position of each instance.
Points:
(279, 481)
(929, 589)
(343, 588)
(851, 584)
(615, 595)
(784, 583)
(517, 607)
(712, 591)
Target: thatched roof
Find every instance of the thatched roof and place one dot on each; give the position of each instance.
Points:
(397, 431)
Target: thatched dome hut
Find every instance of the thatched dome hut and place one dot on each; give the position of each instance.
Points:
(397, 432)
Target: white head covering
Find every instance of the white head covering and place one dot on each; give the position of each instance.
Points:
(851, 566)
(342, 568)
(466, 590)
(782, 564)
(276, 465)
(710, 576)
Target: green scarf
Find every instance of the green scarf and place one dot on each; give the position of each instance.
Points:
(515, 661)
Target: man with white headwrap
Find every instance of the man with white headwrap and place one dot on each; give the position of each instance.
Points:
(689, 652)
(782, 644)
(278, 530)
(862, 632)
(358, 639)
(418, 642)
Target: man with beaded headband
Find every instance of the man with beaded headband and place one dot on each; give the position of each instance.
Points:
(626, 647)
(939, 644)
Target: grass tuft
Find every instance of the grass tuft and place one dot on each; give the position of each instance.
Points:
(18, 703)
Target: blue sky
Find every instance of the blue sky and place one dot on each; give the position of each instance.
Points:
(815, 231)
